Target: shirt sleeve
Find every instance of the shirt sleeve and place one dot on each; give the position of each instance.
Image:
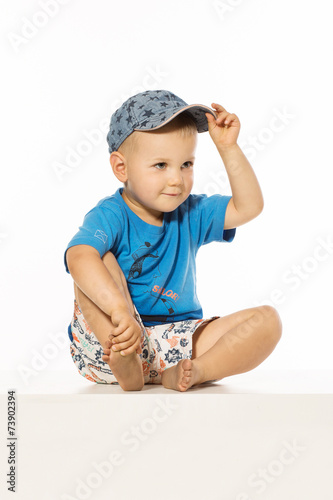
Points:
(99, 230)
(207, 216)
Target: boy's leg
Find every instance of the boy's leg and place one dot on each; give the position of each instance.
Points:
(227, 346)
(127, 369)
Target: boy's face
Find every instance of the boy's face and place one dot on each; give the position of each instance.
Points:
(159, 172)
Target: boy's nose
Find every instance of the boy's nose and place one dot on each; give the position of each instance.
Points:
(175, 178)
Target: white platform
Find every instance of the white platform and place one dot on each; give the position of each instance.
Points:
(260, 435)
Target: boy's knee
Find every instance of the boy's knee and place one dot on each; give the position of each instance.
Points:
(274, 321)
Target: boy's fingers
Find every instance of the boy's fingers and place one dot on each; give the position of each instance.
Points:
(123, 345)
(230, 118)
(120, 329)
(218, 108)
(210, 117)
(112, 331)
(128, 333)
(222, 116)
(134, 348)
(126, 352)
(123, 336)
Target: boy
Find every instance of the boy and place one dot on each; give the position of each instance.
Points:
(137, 318)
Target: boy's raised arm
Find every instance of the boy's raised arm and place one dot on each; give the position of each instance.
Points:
(247, 200)
(93, 278)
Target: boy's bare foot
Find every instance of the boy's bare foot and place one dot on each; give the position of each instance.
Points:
(182, 376)
(127, 369)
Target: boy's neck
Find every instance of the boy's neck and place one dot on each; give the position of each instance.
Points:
(151, 217)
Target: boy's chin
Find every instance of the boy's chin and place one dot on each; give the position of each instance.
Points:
(170, 207)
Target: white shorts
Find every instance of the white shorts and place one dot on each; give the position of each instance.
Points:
(162, 346)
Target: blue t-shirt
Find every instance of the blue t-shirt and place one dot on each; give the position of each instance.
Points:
(158, 262)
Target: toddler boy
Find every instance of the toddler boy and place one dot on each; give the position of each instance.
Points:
(137, 319)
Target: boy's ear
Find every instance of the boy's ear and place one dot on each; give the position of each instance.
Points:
(118, 164)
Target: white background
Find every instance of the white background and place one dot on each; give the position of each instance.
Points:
(64, 73)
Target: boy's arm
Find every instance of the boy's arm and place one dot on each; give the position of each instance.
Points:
(247, 200)
(93, 278)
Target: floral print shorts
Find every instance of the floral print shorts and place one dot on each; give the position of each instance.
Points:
(162, 346)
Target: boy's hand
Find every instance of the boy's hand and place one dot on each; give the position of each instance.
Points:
(126, 335)
(224, 130)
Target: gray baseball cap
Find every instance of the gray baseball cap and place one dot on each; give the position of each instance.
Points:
(150, 110)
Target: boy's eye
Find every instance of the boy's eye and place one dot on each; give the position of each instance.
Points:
(162, 165)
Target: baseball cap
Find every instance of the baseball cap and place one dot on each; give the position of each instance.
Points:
(151, 110)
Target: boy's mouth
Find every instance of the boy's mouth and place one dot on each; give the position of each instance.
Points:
(172, 194)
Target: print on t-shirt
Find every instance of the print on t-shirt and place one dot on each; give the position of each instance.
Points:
(139, 257)
(135, 271)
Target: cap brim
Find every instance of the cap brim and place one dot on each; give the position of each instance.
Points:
(198, 113)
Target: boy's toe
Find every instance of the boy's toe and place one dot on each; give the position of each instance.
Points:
(187, 364)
